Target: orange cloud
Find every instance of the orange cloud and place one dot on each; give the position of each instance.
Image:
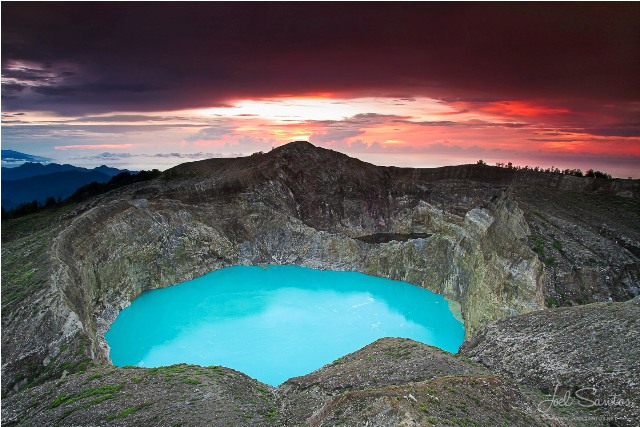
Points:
(520, 109)
(564, 145)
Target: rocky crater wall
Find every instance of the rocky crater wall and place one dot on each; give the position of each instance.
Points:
(296, 205)
(115, 251)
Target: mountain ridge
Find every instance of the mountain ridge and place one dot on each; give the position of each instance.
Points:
(30, 169)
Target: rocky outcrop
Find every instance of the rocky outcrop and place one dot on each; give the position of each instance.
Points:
(585, 356)
(484, 238)
(391, 382)
(387, 362)
(183, 395)
(589, 243)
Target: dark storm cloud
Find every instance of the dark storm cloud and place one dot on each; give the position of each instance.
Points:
(629, 130)
(11, 90)
(161, 56)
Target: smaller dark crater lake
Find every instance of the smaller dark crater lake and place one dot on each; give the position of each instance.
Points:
(389, 237)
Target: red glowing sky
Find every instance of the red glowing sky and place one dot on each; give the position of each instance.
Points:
(409, 84)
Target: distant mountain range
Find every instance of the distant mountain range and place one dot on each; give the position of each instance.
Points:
(11, 158)
(35, 181)
(29, 170)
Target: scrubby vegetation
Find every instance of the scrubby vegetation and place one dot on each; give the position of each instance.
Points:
(575, 172)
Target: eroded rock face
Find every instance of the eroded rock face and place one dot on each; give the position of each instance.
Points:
(298, 205)
(591, 352)
(387, 362)
(391, 382)
(175, 395)
(274, 213)
(589, 243)
(483, 401)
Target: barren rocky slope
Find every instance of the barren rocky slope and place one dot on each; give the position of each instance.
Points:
(391, 382)
(591, 352)
(498, 243)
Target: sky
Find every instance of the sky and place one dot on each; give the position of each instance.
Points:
(419, 84)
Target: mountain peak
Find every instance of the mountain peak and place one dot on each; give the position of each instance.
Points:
(297, 146)
(307, 151)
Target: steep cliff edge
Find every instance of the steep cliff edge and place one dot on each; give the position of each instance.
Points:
(69, 272)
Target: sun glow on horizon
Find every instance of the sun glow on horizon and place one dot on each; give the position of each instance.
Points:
(328, 108)
(286, 109)
(416, 131)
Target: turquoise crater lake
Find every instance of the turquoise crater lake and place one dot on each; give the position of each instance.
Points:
(276, 322)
